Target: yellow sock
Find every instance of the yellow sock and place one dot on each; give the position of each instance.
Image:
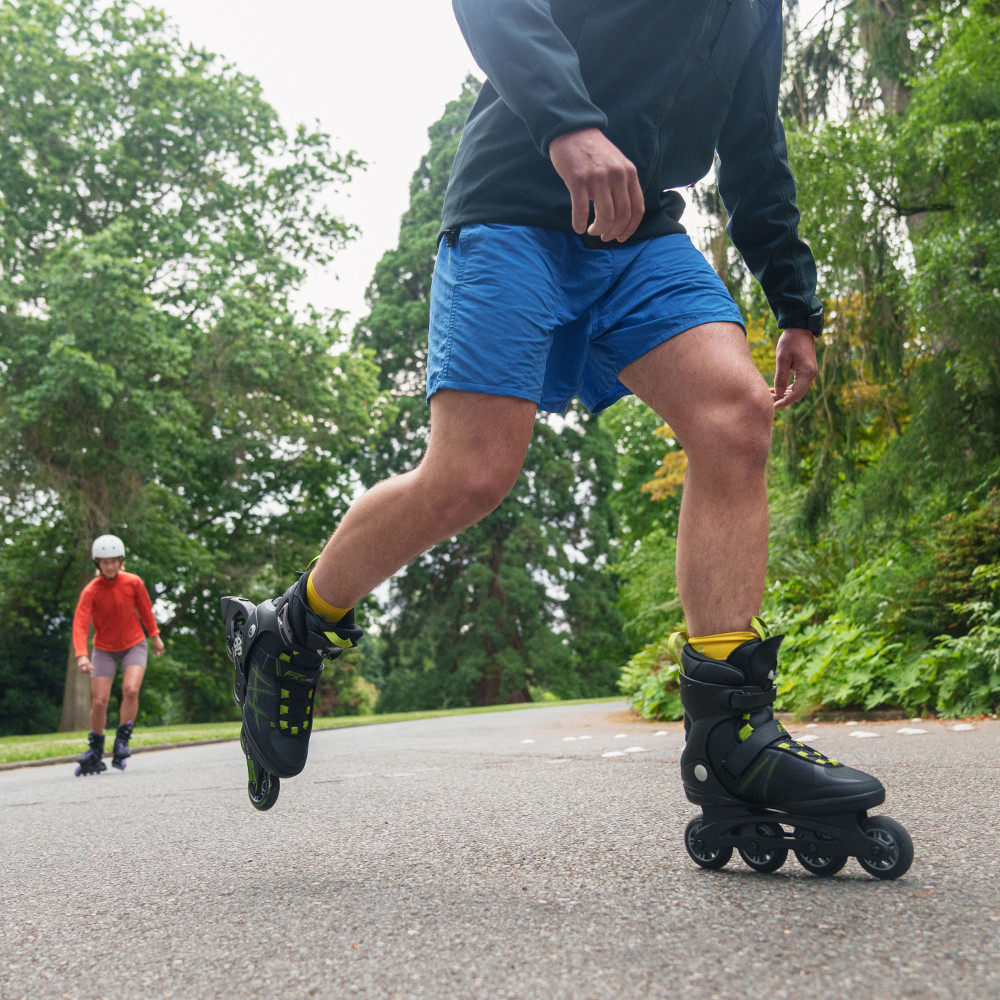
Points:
(718, 647)
(324, 609)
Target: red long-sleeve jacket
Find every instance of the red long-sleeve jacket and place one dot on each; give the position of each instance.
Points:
(119, 609)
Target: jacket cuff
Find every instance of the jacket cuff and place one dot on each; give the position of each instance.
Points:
(812, 321)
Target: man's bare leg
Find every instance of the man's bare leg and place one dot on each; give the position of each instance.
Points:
(475, 453)
(704, 384)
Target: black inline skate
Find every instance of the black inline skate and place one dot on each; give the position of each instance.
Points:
(278, 649)
(121, 752)
(91, 761)
(753, 781)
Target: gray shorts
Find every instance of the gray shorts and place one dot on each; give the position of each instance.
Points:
(106, 664)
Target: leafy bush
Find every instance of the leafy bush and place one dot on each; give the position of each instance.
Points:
(650, 682)
(841, 663)
(343, 691)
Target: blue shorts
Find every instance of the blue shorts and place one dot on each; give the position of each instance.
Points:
(534, 313)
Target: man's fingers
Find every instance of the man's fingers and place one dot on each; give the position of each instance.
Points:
(605, 223)
(781, 374)
(581, 208)
(597, 173)
(618, 206)
(790, 394)
(796, 353)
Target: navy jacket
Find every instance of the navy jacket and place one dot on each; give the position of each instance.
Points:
(671, 83)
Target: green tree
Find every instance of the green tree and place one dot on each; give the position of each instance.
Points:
(519, 601)
(883, 485)
(156, 378)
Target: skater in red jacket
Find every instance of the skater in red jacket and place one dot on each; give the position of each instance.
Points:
(118, 605)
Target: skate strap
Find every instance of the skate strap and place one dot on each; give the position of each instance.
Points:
(286, 665)
(761, 738)
(750, 698)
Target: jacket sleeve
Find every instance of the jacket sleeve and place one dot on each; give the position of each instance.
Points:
(758, 189)
(81, 622)
(531, 65)
(144, 608)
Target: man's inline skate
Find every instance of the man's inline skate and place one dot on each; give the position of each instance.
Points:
(278, 649)
(121, 751)
(762, 792)
(91, 761)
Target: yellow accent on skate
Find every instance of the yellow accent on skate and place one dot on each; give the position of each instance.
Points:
(719, 646)
(337, 641)
(675, 644)
(322, 607)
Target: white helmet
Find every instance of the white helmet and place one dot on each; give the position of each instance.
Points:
(108, 547)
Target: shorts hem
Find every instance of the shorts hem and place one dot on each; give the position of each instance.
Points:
(481, 389)
(616, 390)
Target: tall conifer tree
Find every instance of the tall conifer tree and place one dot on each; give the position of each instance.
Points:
(520, 600)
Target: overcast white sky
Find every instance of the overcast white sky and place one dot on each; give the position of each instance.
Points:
(375, 74)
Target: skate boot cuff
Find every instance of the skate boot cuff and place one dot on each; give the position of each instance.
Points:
(305, 631)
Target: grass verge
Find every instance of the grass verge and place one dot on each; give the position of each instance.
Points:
(58, 746)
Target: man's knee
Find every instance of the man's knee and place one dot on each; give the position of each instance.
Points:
(757, 418)
(737, 433)
(477, 447)
(474, 493)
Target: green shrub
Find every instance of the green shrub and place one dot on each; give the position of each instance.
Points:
(650, 681)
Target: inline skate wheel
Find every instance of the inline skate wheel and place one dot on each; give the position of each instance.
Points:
(818, 864)
(759, 859)
(895, 853)
(264, 791)
(262, 786)
(699, 852)
(91, 769)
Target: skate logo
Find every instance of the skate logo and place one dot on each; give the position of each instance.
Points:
(238, 645)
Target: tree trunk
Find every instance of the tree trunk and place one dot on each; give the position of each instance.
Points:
(884, 36)
(76, 697)
(76, 690)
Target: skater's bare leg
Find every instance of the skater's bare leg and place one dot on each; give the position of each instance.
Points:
(132, 678)
(705, 386)
(100, 692)
(474, 455)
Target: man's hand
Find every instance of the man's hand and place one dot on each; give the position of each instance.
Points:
(84, 665)
(595, 170)
(157, 645)
(796, 352)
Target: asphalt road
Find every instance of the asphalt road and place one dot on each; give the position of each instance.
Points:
(531, 854)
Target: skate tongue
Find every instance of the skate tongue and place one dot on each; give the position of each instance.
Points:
(757, 660)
